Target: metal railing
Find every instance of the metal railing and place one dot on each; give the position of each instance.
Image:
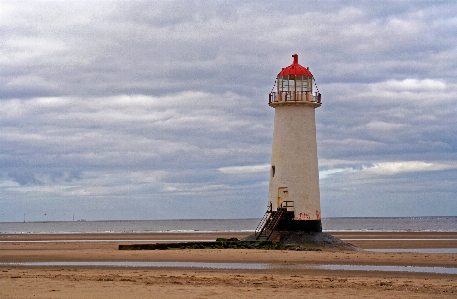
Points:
(263, 221)
(271, 224)
(287, 204)
(294, 96)
(271, 219)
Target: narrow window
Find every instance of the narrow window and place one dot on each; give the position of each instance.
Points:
(272, 170)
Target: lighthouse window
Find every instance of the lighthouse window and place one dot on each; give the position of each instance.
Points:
(302, 83)
(273, 170)
(291, 85)
(283, 85)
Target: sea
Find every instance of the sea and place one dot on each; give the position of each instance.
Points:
(342, 224)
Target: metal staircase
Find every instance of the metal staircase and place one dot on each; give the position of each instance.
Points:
(270, 220)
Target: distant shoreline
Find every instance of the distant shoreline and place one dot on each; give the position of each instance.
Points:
(360, 239)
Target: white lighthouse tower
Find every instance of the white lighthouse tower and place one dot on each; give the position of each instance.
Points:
(293, 195)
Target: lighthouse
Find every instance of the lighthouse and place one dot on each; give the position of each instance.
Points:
(293, 195)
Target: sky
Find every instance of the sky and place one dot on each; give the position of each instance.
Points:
(132, 110)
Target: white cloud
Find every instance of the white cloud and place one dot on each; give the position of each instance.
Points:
(414, 91)
(244, 169)
(382, 168)
(411, 85)
(328, 172)
(384, 126)
(194, 189)
(391, 168)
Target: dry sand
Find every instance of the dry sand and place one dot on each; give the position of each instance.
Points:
(116, 282)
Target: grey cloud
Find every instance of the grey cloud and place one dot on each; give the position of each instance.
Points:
(24, 177)
(209, 52)
(137, 100)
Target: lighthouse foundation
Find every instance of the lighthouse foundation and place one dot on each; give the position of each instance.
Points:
(280, 227)
(307, 226)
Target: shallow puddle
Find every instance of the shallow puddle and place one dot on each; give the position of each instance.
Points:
(103, 241)
(417, 250)
(241, 266)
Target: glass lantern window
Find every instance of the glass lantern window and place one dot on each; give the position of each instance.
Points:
(283, 84)
(297, 83)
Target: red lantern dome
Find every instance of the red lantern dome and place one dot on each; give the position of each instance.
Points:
(294, 84)
(295, 69)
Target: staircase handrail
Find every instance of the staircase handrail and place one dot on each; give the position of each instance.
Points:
(271, 219)
(276, 218)
(263, 221)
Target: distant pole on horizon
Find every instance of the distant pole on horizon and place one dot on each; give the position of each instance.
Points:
(293, 194)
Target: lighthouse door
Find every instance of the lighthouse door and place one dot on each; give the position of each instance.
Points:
(283, 195)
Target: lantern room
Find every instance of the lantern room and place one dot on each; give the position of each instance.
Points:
(294, 84)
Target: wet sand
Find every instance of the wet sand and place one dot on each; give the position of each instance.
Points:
(117, 282)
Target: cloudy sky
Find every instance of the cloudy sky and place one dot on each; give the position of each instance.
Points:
(159, 109)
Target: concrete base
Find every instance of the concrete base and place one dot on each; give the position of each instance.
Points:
(308, 226)
(309, 241)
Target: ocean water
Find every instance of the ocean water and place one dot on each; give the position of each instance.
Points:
(381, 224)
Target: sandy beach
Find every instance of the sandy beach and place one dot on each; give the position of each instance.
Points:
(284, 279)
